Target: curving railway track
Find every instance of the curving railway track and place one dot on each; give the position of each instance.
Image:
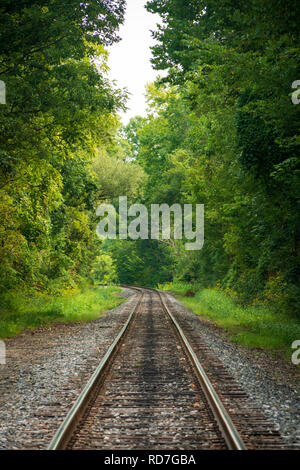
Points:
(151, 392)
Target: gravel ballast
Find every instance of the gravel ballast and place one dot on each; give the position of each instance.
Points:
(268, 380)
(45, 371)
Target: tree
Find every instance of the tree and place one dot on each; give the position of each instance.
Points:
(234, 63)
(60, 107)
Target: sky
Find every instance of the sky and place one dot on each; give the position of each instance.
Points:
(129, 59)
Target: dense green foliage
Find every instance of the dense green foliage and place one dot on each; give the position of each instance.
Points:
(58, 119)
(141, 262)
(222, 130)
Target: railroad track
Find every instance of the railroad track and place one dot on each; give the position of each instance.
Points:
(150, 391)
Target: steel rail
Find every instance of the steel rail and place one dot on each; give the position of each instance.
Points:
(232, 437)
(64, 432)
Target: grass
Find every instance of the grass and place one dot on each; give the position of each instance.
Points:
(252, 326)
(20, 311)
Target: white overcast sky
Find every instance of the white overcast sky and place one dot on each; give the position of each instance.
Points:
(129, 59)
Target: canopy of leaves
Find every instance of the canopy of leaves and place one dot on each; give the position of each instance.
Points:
(60, 108)
(224, 132)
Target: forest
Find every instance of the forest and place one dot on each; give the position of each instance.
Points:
(221, 130)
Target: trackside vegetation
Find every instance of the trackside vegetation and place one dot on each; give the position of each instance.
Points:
(254, 326)
(32, 310)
